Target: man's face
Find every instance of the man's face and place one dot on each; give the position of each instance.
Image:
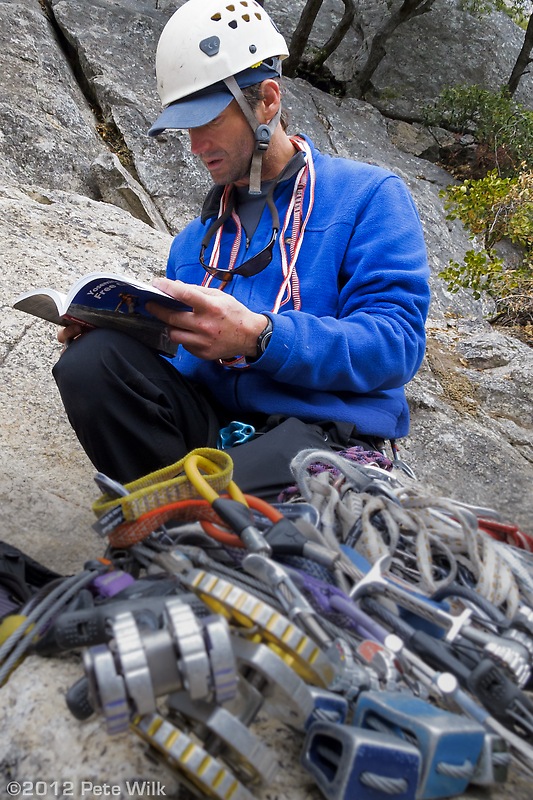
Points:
(225, 145)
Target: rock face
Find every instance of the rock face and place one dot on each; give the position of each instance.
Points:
(83, 188)
(446, 47)
(48, 130)
(443, 47)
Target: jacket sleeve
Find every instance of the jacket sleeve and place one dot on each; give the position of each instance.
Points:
(376, 338)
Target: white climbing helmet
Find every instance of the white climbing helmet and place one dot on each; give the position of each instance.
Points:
(206, 41)
(208, 52)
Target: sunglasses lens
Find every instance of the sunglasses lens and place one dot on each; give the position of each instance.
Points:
(253, 266)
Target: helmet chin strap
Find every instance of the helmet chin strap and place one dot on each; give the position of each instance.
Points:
(262, 133)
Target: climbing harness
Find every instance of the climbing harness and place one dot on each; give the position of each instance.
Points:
(390, 628)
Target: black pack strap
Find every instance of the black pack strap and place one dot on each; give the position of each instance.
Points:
(20, 578)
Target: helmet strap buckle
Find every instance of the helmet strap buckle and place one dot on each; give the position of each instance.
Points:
(262, 133)
(262, 136)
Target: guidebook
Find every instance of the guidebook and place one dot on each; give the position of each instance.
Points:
(105, 300)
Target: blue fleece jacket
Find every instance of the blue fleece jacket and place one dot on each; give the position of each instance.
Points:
(359, 336)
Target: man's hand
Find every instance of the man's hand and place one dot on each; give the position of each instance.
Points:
(219, 326)
(70, 332)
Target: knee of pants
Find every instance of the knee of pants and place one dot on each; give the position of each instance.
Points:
(81, 362)
(90, 372)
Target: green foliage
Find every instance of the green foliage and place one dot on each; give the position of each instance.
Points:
(481, 205)
(480, 271)
(495, 209)
(518, 10)
(495, 202)
(502, 127)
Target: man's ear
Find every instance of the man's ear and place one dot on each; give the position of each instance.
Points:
(271, 98)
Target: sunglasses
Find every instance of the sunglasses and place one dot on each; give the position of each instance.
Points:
(253, 266)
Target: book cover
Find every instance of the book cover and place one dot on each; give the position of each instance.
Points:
(105, 300)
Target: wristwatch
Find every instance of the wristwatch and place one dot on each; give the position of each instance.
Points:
(264, 338)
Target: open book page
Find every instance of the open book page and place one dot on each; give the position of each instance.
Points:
(44, 303)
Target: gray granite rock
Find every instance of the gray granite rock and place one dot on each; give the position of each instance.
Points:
(50, 238)
(47, 130)
(443, 47)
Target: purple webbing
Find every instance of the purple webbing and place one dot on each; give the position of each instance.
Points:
(356, 454)
(330, 600)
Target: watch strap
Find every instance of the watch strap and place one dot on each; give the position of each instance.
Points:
(264, 338)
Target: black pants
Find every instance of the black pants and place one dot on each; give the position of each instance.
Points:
(134, 413)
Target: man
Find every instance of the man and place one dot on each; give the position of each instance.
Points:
(307, 278)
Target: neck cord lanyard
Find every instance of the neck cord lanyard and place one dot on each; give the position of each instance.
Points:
(290, 284)
(223, 215)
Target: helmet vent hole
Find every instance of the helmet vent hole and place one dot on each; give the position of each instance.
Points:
(232, 24)
(257, 15)
(230, 8)
(216, 17)
(246, 17)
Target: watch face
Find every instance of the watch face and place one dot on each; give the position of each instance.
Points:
(264, 337)
(265, 340)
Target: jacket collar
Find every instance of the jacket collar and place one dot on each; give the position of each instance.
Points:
(211, 204)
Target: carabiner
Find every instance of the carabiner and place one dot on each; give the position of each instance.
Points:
(233, 434)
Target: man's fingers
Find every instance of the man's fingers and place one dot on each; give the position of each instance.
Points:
(69, 332)
(174, 319)
(194, 296)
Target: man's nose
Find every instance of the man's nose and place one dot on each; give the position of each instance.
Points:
(199, 140)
